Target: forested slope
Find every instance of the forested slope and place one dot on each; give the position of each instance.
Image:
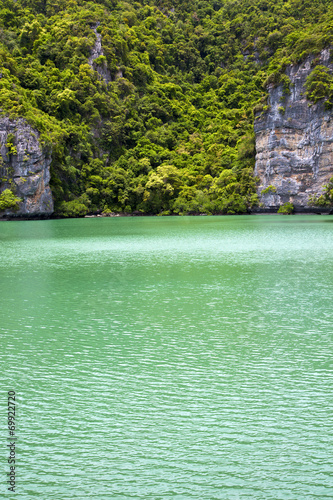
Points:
(159, 119)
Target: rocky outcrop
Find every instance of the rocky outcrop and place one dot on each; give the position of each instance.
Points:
(294, 143)
(96, 52)
(25, 168)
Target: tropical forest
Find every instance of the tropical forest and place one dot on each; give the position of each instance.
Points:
(148, 107)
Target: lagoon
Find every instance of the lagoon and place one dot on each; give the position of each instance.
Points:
(169, 357)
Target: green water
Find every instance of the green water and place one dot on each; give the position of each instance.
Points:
(157, 358)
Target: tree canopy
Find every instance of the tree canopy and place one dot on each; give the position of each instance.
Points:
(161, 121)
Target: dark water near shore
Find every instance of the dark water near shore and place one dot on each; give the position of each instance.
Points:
(183, 358)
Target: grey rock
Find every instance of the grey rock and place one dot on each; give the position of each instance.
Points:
(294, 147)
(26, 173)
(96, 52)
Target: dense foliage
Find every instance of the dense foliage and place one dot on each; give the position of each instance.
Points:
(9, 200)
(325, 199)
(286, 209)
(162, 121)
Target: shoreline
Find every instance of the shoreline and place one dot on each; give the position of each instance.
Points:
(273, 211)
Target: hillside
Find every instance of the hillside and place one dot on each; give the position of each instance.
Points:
(149, 106)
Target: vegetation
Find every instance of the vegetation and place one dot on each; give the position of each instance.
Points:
(326, 199)
(286, 209)
(170, 127)
(9, 200)
(319, 85)
(269, 189)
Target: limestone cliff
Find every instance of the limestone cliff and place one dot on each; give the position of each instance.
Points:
(24, 168)
(96, 53)
(294, 142)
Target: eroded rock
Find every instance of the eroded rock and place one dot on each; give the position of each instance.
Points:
(25, 168)
(294, 143)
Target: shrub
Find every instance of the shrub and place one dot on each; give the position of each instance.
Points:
(319, 85)
(73, 208)
(286, 208)
(269, 189)
(325, 199)
(9, 200)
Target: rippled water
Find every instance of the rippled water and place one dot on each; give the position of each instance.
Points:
(183, 358)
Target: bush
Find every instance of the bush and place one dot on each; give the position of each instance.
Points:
(9, 200)
(325, 199)
(269, 189)
(319, 85)
(74, 208)
(286, 208)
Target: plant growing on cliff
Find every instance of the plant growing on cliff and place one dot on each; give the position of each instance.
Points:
(12, 150)
(286, 209)
(8, 200)
(278, 77)
(100, 61)
(269, 189)
(319, 85)
(326, 199)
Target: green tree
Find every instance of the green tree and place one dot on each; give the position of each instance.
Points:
(8, 200)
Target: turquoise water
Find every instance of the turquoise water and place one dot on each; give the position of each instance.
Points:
(174, 357)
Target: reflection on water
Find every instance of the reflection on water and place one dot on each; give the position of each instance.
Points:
(170, 357)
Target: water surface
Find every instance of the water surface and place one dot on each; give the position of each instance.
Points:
(174, 357)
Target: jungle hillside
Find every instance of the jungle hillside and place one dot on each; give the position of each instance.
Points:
(148, 106)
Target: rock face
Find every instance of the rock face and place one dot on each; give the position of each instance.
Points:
(294, 143)
(25, 168)
(96, 52)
